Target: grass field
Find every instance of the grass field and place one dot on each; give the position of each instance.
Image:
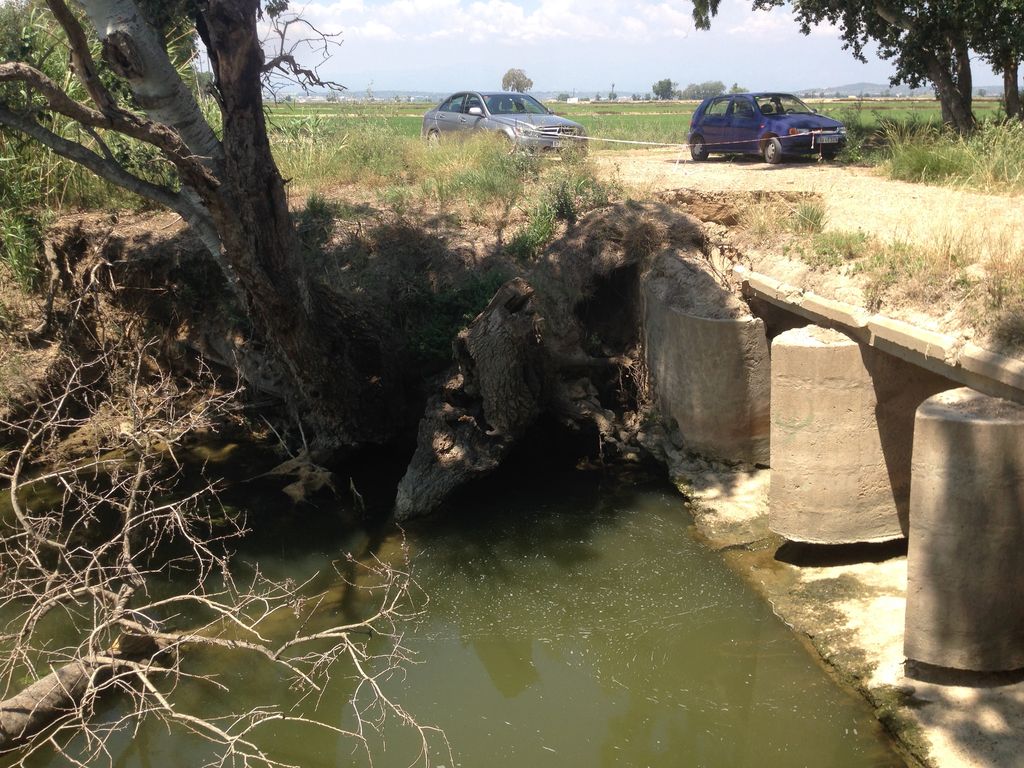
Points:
(666, 122)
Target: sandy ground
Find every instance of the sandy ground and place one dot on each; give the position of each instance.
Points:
(850, 602)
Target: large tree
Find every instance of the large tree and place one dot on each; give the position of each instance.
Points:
(664, 89)
(998, 35)
(927, 41)
(516, 80)
(81, 616)
(227, 185)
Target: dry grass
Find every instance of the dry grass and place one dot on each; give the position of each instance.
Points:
(971, 277)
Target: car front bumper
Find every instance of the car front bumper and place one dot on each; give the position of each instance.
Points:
(808, 143)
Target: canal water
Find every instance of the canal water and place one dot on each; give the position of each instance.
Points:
(573, 620)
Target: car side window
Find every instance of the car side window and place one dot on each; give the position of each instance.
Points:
(454, 104)
(473, 101)
(742, 109)
(717, 108)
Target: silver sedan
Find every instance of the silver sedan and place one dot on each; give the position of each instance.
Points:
(520, 118)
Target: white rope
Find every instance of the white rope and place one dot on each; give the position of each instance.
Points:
(529, 128)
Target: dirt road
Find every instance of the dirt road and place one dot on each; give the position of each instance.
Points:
(855, 198)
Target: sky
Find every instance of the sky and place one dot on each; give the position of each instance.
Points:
(582, 46)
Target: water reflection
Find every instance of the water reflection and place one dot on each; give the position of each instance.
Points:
(571, 622)
(592, 630)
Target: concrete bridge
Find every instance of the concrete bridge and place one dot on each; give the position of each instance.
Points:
(874, 430)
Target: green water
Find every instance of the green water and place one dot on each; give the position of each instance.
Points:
(590, 629)
(571, 622)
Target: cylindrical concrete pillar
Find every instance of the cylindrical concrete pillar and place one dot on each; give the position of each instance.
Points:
(842, 426)
(965, 586)
(829, 483)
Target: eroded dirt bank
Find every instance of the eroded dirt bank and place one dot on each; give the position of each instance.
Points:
(849, 603)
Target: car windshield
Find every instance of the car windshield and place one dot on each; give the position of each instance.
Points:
(514, 104)
(781, 104)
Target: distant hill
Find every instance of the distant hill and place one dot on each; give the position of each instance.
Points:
(878, 89)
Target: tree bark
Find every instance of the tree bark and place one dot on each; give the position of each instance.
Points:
(1011, 90)
(44, 702)
(243, 218)
(954, 92)
(259, 241)
(61, 693)
(497, 392)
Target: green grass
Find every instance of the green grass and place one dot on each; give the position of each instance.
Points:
(978, 274)
(434, 318)
(808, 217)
(990, 159)
(646, 121)
(566, 194)
(834, 249)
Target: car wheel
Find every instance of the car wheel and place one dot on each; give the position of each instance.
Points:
(772, 151)
(698, 149)
(433, 138)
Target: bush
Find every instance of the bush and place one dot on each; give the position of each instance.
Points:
(433, 319)
(567, 194)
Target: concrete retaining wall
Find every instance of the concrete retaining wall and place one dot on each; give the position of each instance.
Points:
(965, 608)
(711, 375)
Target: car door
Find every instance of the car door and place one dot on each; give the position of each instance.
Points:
(714, 124)
(744, 125)
(449, 114)
(470, 122)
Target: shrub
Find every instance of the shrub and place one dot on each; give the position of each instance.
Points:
(568, 193)
(833, 249)
(808, 217)
(434, 318)
(315, 223)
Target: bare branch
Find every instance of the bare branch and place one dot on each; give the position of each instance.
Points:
(81, 58)
(65, 567)
(287, 34)
(191, 168)
(102, 167)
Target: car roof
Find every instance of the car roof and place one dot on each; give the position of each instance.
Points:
(756, 94)
(490, 93)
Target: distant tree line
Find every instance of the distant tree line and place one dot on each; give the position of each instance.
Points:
(666, 89)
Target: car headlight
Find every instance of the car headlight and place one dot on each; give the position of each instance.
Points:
(798, 131)
(842, 130)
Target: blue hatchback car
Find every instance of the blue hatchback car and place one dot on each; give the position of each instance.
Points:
(768, 124)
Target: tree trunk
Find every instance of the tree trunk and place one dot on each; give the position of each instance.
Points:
(258, 238)
(61, 693)
(1011, 91)
(954, 90)
(244, 219)
(44, 702)
(570, 350)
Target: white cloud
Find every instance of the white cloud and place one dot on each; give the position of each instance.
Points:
(502, 20)
(373, 30)
(768, 25)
